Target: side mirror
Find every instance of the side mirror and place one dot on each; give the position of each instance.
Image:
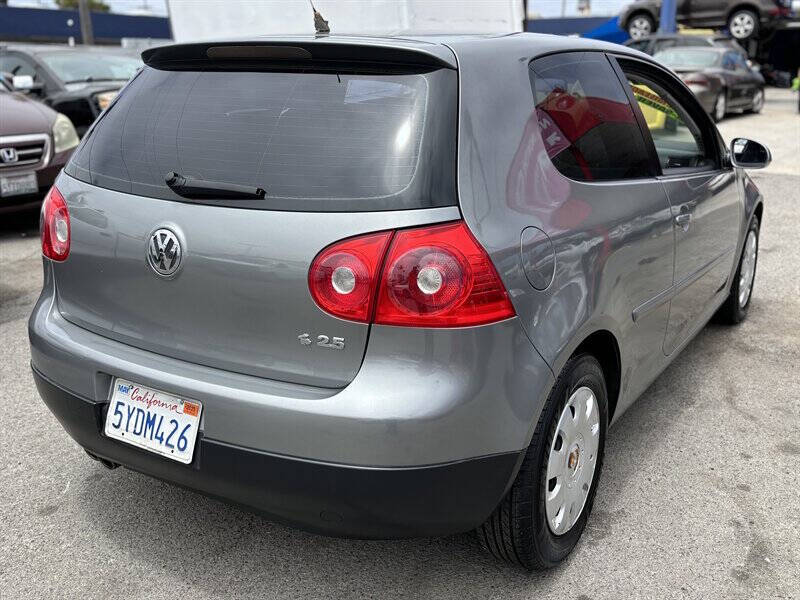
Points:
(749, 154)
(22, 83)
(26, 84)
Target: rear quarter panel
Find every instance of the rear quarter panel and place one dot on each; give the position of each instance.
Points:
(507, 182)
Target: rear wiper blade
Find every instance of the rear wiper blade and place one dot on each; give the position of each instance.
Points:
(191, 187)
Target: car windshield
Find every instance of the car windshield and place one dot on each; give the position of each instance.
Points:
(687, 57)
(312, 141)
(72, 67)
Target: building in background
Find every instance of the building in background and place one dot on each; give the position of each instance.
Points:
(24, 24)
(207, 19)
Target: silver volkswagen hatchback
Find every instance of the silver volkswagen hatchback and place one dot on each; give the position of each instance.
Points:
(388, 287)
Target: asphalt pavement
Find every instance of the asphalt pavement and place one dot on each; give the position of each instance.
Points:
(700, 495)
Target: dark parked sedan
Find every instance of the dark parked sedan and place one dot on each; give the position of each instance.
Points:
(35, 143)
(78, 82)
(721, 79)
(742, 19)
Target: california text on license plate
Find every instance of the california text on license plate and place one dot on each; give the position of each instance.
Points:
(153, 420)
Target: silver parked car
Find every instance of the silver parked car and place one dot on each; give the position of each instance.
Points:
(388, 287)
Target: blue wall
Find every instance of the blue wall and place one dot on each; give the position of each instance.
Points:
(600, 28)
(38, 24)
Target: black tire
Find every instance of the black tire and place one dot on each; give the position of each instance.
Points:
(517, 531)
(736, 30)
(732, 311)
(637, 33)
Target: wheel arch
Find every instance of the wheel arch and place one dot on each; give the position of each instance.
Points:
(743, 6)
(603, 346)
(640, 11)
(758, 211)
(753, 202)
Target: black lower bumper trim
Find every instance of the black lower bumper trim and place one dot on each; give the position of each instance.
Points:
(331, 499)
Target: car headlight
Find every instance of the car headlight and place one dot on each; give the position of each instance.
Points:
(104, 98)
(64, 134)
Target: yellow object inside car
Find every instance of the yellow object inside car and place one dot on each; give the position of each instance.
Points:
(655, 110)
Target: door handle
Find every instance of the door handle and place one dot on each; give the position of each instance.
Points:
(683, 219)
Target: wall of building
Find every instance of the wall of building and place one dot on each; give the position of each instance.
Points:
(46, 25)
(209, 19)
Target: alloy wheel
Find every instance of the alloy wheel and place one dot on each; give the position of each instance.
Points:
(742, 25)
(747, 271)
(572, 460)
(640, 27)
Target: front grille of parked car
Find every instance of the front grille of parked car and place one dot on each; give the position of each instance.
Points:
(24, 151)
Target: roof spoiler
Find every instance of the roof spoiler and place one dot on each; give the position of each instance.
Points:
(312, 52)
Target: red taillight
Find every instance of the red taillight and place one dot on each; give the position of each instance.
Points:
(54, 225)
(440, 277)
(435, 276)
(343, 277)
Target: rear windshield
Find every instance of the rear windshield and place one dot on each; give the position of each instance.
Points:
(320, 141)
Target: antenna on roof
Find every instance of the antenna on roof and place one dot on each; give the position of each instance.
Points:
(320, 24)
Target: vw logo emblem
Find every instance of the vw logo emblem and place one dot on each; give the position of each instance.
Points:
(9, 155)
(164, 252)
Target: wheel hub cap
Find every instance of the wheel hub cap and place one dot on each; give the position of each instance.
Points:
(742, 25)
(572, 460)
(640, 27)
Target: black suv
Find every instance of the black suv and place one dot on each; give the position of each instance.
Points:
(78, 82)
(742, 19)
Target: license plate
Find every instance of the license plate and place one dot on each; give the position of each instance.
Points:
(153, 420)
(15, 185)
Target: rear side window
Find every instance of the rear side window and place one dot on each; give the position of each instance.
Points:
(321, 141)
(587, 124)
(740, 62)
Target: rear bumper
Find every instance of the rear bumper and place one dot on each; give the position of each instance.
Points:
(421, 397)
(321, 497)
(424, 441)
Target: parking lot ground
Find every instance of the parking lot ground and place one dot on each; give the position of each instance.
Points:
(699, 496)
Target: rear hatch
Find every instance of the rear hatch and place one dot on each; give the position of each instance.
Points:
(340, 146)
